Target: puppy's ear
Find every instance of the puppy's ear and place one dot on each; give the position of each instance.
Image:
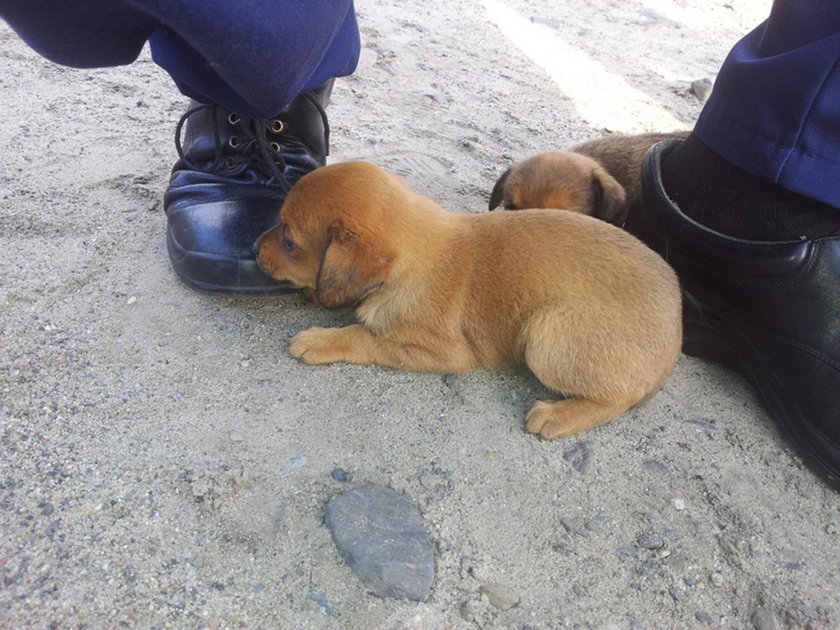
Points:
(350, 269)
(609, 200)
(498, 193)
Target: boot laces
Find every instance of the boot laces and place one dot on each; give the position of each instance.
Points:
(252, 146)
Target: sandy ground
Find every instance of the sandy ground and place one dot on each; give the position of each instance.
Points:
(166, 464)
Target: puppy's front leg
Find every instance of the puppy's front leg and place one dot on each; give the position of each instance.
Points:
(356, 344)
(331, 345)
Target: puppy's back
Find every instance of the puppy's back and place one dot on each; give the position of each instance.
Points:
(571, 251)
(582, 273)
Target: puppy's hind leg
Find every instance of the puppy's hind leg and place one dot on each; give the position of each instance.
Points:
(562, 418)
(570, 356)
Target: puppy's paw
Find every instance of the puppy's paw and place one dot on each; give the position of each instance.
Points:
(314, 346)
(562, 418)
(552, 420)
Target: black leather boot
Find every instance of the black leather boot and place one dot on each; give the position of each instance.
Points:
(228, 185)
(768, 310)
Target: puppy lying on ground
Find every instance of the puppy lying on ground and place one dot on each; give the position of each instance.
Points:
(592, 311)
(600, 178)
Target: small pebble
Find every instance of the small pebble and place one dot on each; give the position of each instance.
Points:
(650, 541)
(703, 617)
(339, 474)
(764, 619)
(131, 300)
(678, 504)
(701, 88)
(716, 579)
(595, 524)
(499, 595)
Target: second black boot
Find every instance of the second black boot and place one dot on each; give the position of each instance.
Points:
(769, 309)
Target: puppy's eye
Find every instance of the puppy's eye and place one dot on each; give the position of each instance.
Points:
(288, 244)
(510, 206)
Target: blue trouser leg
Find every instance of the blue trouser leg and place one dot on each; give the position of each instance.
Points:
(254, 57)
(775, 108)
(85, 34)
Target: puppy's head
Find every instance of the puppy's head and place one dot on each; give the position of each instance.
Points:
(332, 238)
(562, 180)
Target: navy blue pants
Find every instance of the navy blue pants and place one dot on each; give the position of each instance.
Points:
(775, 107)
(251, 56)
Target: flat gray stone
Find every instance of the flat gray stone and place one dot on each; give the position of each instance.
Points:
(381, 536)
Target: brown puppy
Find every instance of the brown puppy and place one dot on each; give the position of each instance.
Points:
(622, 155)
(563, 180)
(591, 310)
(557, 179)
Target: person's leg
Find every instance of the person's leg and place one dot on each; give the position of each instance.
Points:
(90, 34)
(768, 135)
(253, 57)
(744, 210)
(775, 108)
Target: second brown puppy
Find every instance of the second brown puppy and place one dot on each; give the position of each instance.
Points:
(601, 177)
(562, 180)
(592, 311)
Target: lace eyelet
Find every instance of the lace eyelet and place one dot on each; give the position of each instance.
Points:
(234, 118)
(276, 147)
(233, 142)
(229, 164)
(277, 126)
